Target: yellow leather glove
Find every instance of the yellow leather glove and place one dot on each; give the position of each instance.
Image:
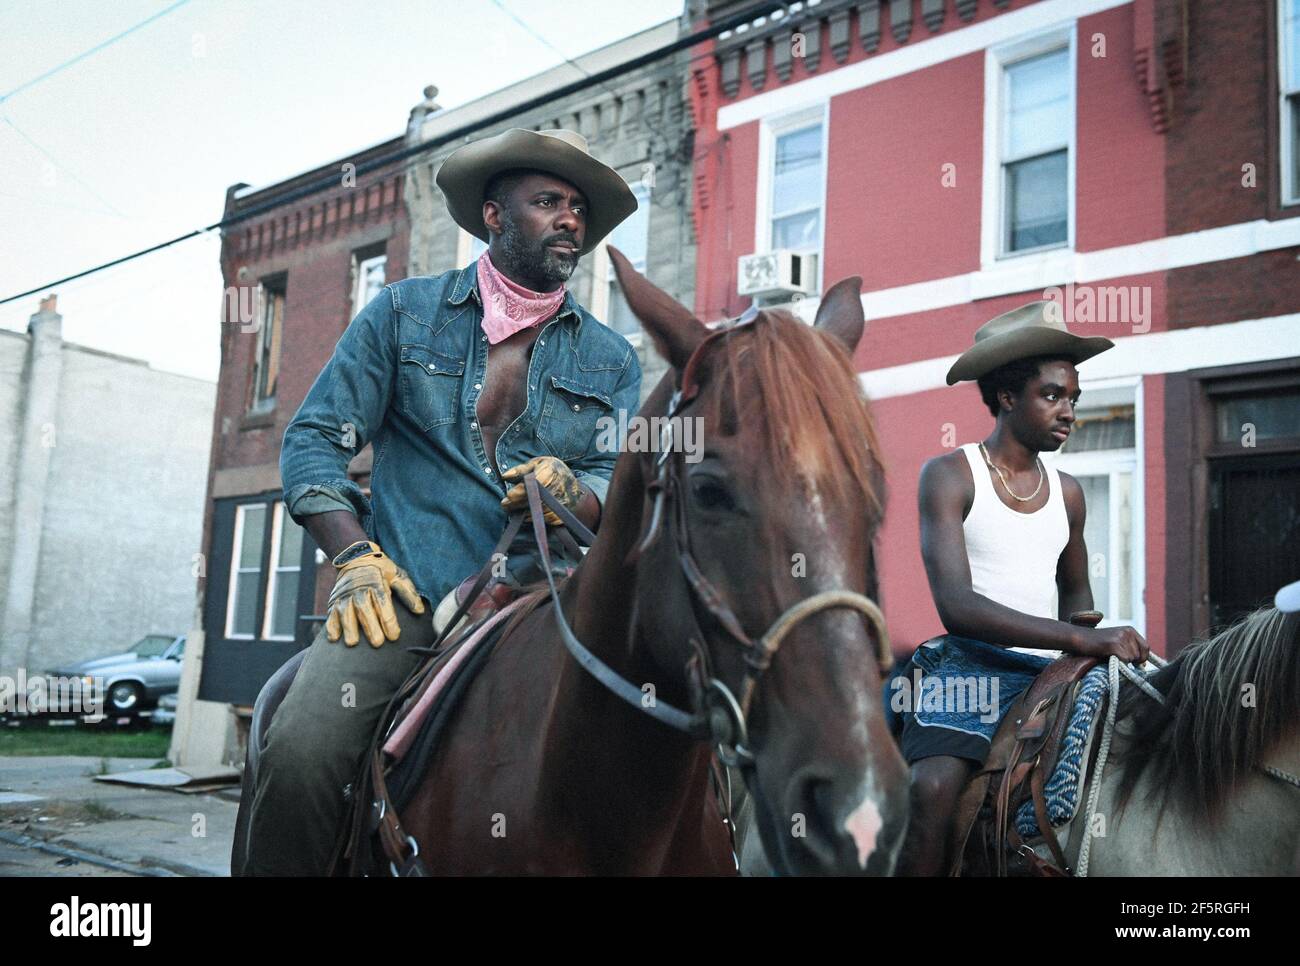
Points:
(554, 475)
(362, 595)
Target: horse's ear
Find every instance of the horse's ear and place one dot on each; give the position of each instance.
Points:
(840, 313)
(675, 331)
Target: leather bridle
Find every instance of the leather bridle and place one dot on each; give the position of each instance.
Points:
(719, 714)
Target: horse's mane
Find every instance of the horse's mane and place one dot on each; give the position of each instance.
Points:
(799, 384)
(815, 418)
(1229, 701)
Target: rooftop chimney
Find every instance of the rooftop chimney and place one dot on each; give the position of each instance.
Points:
(47, 320)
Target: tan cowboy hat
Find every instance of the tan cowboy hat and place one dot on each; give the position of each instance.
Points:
(1035, 329)
(464, 176)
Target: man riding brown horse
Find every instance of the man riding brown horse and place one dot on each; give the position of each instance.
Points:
(464, 383)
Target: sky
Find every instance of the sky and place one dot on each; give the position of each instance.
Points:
(137, 143)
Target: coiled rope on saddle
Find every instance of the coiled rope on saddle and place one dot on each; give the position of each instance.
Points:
(1114, 669)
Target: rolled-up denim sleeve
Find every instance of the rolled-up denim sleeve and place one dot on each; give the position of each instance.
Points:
(342, 411)
(596, 468)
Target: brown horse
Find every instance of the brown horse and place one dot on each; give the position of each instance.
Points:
(545, 769)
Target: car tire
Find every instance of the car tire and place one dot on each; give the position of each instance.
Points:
(124, 697)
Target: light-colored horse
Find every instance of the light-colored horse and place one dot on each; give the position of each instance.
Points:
(1207, 783)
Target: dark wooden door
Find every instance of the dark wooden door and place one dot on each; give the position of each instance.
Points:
(1254, 532)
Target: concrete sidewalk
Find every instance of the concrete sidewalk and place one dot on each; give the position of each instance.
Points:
(56, 800)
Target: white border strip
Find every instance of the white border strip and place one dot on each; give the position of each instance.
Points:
(912, 57)
(1060, 267)
(1035, 273)
(1226, 344)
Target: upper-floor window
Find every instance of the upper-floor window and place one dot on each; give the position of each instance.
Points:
(632, 238)
(468, 248)
(1036, 152)
(798, 187)
(1029, 146)
(369, 274)
(266, 366)
(1288, 60)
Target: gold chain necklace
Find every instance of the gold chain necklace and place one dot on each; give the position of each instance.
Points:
(1006, 485)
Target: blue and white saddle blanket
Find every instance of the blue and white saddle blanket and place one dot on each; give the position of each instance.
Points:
(1064, 789)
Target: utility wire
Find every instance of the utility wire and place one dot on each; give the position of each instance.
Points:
(93, 50)
(578, 67)
(63, 167)
(331, 182)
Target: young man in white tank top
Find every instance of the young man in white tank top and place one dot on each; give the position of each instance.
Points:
(1001, 536)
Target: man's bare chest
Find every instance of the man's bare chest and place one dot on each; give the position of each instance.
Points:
(505, 383)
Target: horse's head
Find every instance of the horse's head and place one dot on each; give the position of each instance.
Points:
(773, 498)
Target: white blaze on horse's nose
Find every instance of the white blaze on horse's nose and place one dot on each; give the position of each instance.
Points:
(863, 825)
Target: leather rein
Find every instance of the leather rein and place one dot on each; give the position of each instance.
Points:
(719, 715)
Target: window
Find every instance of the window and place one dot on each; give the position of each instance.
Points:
(369, 274)
(1036, 152)
(266, 366)
(632, 238)
(1101, 454)
(278, 615)
(1288, 60)
(1029, 146)
(1260, 417)
(279, 620)
(468, 248)
(791, 195)
(153, 645)
(797, 190)
(245, 571)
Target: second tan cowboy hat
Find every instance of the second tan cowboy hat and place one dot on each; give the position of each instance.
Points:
(464, 177)
(1035, 329)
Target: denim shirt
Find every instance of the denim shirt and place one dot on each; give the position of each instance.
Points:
(406, 376)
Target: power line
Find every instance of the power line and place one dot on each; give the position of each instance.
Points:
(58, 164)
(365, 167)
(93, 50)
(575, 65)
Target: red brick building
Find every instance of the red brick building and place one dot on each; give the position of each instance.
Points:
(1135, 159)
(295, 272)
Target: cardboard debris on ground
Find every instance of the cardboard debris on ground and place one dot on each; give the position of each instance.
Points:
(190, 780)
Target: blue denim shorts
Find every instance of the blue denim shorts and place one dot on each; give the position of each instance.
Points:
(950, 697)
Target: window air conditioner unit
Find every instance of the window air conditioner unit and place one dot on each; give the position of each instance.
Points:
(776, 276)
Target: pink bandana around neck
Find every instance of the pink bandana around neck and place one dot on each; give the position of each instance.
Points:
(509, 308)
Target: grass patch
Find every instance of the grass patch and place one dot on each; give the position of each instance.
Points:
(37, 739)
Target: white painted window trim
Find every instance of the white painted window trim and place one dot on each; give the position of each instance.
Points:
(359, 276)
(232, 586)
(277, 528)
(464, 247)
(1290, 191)
(265, 299)
(1099, 394)
(993, 196)
(602, 272)
(769, 130)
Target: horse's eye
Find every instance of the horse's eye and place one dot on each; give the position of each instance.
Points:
(710, 495)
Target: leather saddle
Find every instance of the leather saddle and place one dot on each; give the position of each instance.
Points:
(1021, 759)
